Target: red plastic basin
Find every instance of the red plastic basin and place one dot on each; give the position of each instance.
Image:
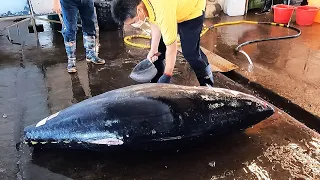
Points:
(306, 15)
(282, 13)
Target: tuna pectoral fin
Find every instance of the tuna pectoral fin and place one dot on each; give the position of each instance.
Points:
(42, 122)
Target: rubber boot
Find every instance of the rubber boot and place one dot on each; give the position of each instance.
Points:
(209, 72)
(267, 7)
(71, 53)
(90, 46)
(205, 81)
(205, 77)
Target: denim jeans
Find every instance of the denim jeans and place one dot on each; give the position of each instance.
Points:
(70, 9)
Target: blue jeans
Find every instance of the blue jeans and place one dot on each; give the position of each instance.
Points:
(70, 9)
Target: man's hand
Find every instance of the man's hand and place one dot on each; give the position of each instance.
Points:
(153, 55)
(171, 57)
(56, 6)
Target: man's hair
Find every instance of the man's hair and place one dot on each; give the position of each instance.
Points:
(123, 9)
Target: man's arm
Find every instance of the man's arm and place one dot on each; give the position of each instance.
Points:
(155, 39)
(156, 36)
(56, 6)
(171, 57)
(171, 52)
(167, 22)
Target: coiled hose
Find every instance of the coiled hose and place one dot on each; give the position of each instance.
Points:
(238, 48)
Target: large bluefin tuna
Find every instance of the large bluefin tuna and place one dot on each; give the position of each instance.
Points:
(148, 113)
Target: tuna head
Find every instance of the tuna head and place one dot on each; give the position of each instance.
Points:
(232, 110)
(202, 110)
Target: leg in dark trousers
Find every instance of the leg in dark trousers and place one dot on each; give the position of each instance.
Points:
(159, 64)
(190, 42)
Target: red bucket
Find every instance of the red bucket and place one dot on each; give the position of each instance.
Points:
(282, 13)
(306, 15)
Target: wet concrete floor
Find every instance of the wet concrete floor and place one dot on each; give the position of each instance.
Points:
(35, 84)
(291, 67)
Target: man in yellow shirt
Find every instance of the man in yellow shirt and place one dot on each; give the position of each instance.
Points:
(167, 19)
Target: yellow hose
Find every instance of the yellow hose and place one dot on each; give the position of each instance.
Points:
(128, 38)
(204, 31)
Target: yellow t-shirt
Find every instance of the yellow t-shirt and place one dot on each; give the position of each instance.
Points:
(166, 14)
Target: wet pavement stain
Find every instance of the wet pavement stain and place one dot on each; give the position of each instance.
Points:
(41, 86)
(289, 67)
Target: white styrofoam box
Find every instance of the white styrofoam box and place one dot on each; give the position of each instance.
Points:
(235, 7)
(41, 7)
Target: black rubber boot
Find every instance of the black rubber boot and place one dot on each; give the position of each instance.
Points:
(204, 78)
(205, 81)
(267, 7)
